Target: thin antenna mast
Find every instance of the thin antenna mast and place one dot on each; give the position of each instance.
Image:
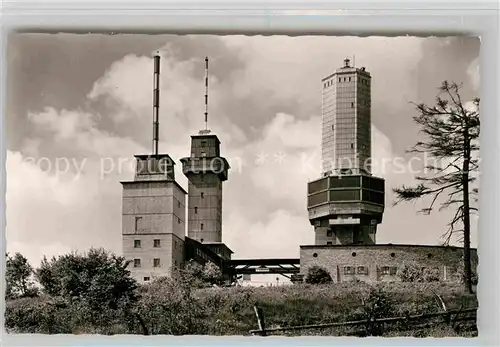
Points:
(156, 103)
(206, 93)
(353, 60)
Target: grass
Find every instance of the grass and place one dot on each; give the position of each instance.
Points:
(229, 311)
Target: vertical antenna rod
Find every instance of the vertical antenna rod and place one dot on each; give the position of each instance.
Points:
(353, 60)
(206, 93)
(156, 103)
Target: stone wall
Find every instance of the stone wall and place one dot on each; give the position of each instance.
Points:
(373, 263)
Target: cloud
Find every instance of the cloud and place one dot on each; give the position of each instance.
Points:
(270, 105)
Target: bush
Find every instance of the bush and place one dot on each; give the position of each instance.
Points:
(377, 305)
(410, 272)
(318, 275)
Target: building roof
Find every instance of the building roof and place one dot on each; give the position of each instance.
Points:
(380, 245)
(144, 181)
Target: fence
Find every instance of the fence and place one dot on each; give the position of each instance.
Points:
(451, 317)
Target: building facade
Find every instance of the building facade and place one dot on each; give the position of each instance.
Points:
(153, 219)
(347, 203)
(346, 121)
(382, 262)
(206, 171)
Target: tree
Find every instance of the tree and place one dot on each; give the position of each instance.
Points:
(98, 278)
(18, 277)
(452, 132)
(318, 275)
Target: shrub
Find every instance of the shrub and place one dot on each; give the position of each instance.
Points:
(410, 272)
(318, 275)
(377, 305)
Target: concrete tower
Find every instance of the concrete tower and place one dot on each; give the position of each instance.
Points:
(346, 205)
(206, 170)
(153, 210)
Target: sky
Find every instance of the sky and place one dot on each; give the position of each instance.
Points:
(79, 107)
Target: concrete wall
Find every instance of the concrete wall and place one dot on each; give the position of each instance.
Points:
(170, 252)
(205, 209)
(160, 207)
(153, 211)
(371, 262)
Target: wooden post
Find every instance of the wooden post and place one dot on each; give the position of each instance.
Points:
(260, 320)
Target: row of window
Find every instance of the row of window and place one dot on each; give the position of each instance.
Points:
(363, 270)
(156, 243)
(137, 262)
(345, 79)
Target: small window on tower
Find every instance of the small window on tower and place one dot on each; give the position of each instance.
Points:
(352, 145)
(156, 243)
(329, 243)
(344, 79)
(137, 262)
(201, 226)
(203, 154)
(340, 80)
(352, 104)
(203, 143)
(329, 233)
(137, 243)
(349, 79)
(178, 204)
(178, 220)
(202, 195)
(146, 279)
(196, 210)
(156, 262)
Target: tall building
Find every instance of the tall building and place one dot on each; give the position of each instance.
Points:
(347, 203)
(346, 146)
(153, 218)
(153, 210)
(206, 170)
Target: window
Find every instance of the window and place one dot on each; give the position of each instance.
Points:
(201, 226)
(349, 79)
(329, 233)
(349, 270)
(362, 270)
(175, 262)
(196, 210)
(178, 220)
(333, 127)
(203, 143)
(137, 219)
(353, 254)
(146, 279)
(344, 79)
(352, 104)
(156, 243)
(388, 270)
(137, 243)
(203, 154)
(201, 240)
(352, 145)
(329, 243)
(393, 255)
(137, 262)
(178, 204)
(340, 80)
(202, 195)
(156, 262)
(315, 255)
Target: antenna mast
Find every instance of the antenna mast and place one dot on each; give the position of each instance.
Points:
(206, 93)
(156, 102)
